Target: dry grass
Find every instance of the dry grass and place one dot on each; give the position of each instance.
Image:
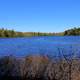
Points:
(39, 68)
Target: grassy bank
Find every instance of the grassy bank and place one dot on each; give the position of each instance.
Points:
(39, 68)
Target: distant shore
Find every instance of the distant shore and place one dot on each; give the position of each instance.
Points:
(11, 33)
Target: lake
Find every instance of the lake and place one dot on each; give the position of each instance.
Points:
(54, 46)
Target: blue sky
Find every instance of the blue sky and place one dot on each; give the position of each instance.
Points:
(39, 15)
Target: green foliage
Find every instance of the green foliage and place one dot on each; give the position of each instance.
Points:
(12, 33)
(37, 34)
(74, 31)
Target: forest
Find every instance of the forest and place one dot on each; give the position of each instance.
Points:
(74, 31)
(12, 33)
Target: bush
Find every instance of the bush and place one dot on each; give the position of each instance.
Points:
(39, 68)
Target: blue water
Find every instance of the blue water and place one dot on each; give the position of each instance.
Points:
(54, 46)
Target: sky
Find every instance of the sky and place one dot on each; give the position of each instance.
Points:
(39, 15)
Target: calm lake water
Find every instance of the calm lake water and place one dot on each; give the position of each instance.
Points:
(54, 46)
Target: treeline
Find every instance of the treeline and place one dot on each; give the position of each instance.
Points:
(74, 31)
(37, 34)
(70, 32)
(12, 33)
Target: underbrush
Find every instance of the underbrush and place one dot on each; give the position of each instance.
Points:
(39, 68)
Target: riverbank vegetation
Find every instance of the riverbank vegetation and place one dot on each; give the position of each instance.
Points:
(11, 33)
(74, 31)
(39, 68)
